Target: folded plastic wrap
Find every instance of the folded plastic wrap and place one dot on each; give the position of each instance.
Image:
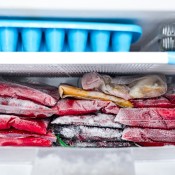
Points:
(80, 107)
(83, 133)
(71, 91)
(126, 87)
(24, 108)
(34, 126)
(98, 144)
(99, 120)
(42, 94)
(95, 81)
(162, 118)
(14, 133)
(147, 135)
(160, 102)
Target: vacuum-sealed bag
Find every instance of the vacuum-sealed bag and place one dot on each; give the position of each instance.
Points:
(34, 125)
(14, 133)
(24, 108)
(160, 102)
(95, 81)
(42, 94)
(98, 144)
(71, 91)
(147, 135)
(84, 133)
(161, 118)
(28, 141)
(99, 120)
(126, 87)
(80, 107)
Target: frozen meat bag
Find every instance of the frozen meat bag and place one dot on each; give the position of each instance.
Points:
(84, 133)
(71, 91)
(162, 118)
(42, 94)
(126, 87)
(95, 81)
(34, 126)
(147, 135)
(13, 137)
(80, 107)
(24, 108)
(99, 120)
(28, 141)
(98, 144)
(14, 133)
(160, 102)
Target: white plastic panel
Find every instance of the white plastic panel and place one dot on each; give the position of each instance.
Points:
(69, 64)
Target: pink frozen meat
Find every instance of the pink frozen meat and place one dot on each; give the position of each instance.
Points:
(148, 135)
(42, 94)
(161, 118)
(80, 107)
(161, 102)
(24, 108)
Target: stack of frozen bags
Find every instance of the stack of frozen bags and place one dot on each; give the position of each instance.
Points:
(152, 121)
(87, 115)
(25, 110)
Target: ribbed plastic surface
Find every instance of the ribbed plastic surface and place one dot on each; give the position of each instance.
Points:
(57, 36)
(79, 69)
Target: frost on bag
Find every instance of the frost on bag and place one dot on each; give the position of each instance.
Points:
(42, 94)
(80, 107)
(13, 137)
(84, 133)
(98, 144)
(34, 126)
(126, 87)
(148, 135)
(162, 118)
(14, 133)
(160, 102)
(24, 108)
(99, 120)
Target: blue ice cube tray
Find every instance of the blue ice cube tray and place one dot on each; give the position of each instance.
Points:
(60, 36)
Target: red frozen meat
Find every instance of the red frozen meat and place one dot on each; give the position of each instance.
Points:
(24, 108)
(80, 107)
(156, 144)
(29, 141)
(161, 118)
(161, 102)
(14, 133)
(148, 135)
(100, 120)
(34, 126)
(42, 94)
(84, 133)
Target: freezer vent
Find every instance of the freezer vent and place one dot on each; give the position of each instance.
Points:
(78, 69)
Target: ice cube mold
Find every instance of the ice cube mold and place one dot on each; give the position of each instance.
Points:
(57, 36)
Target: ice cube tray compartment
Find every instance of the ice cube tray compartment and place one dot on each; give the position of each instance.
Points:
(58, 36)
